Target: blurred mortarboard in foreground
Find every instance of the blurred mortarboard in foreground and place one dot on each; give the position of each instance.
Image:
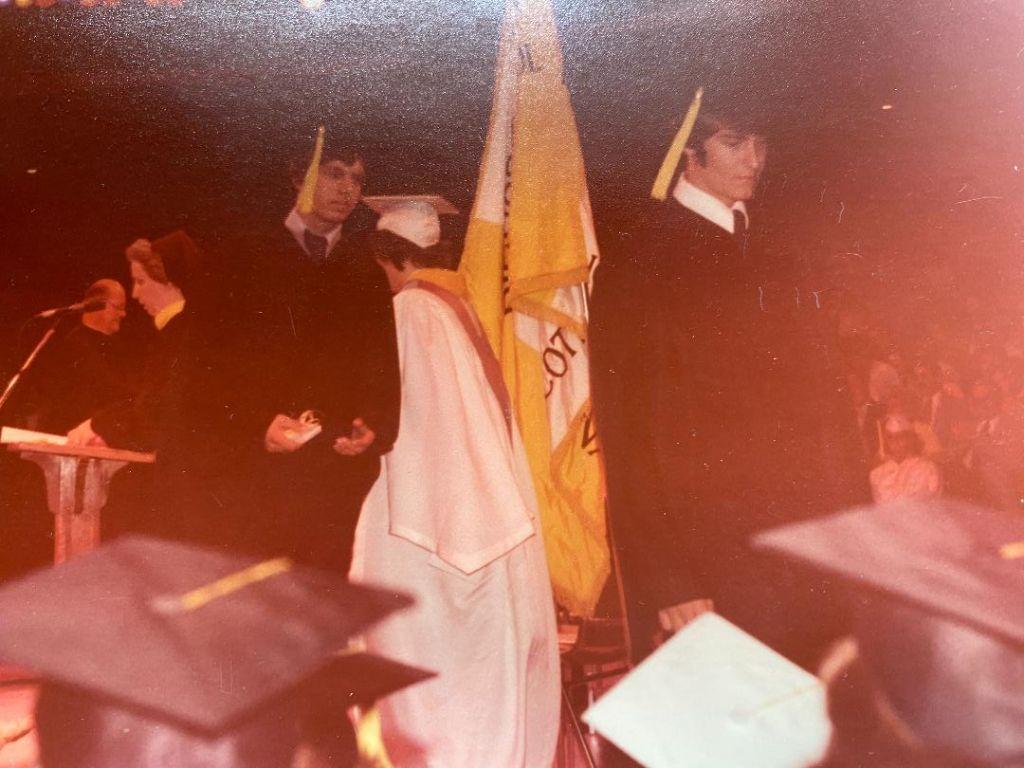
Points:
(362, 678)
(714, 696)
(940, 619)
(381, 204)
(189, 636)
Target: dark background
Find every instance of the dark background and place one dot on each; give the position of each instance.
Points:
(126, 121)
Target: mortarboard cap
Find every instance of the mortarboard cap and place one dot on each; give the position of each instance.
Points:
(413, 220)
(714, 696)
(188, 636)
(362, 678)
(940, 622)
(381, 204)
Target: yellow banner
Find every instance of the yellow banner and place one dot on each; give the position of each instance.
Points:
(528, 255)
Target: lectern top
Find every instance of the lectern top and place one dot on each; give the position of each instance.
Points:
(84, 451)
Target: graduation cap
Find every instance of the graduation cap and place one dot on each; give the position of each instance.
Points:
(192, 637)
(381, 204)
(940, 619)
(361, 678)
(714, 696)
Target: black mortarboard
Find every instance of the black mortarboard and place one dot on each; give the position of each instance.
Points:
(362, 678)
(188, 636)
(940, 616)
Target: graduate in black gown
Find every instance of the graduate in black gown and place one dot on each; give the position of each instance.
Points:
(316, 336)
(719, 401)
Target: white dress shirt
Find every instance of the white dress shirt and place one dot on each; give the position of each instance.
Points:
(708, 206)
(297, 227)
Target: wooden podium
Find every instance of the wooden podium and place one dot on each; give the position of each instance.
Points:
(77, 481)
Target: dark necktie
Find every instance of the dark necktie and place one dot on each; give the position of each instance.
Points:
(739, 224)
(316, 247)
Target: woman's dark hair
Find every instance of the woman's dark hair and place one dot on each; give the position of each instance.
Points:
(389, 247)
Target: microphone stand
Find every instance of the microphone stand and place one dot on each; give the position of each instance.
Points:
(29, 360)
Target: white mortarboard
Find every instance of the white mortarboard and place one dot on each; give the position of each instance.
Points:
(382, 203)
(414, 220)
(713, 696)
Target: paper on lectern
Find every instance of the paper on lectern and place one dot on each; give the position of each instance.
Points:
(16, 435)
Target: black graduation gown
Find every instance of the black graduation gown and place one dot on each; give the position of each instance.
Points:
(720, 406)
(315, 337)
(181, 414)
(76, 374)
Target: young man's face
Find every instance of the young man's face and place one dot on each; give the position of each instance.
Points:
(339, 186)
(732, 165)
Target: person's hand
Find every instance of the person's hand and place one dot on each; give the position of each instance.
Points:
(83, 434)
(357, 441)
(279, 435)
(675, 617)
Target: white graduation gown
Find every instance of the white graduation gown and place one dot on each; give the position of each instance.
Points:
(452, 521)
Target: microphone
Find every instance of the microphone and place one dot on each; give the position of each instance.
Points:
(81, 306)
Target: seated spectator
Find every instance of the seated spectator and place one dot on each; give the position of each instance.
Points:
(906, 473)
(903, 403)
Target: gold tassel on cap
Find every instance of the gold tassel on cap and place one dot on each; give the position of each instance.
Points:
(233, 582)
(668, 166)
(305, 201)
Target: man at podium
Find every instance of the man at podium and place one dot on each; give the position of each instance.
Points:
(82, 369)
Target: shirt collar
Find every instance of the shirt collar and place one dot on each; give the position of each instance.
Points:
(168, 313)
(294, 223)
(707, 206)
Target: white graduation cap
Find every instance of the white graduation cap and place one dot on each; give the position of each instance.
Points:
(714, 697)
(381, 204)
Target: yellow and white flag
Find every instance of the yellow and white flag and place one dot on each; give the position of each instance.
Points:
(530, 250)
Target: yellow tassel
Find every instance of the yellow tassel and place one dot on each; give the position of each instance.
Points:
(668, 166)
(372, 752)
(305, 201)
(200, 596)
